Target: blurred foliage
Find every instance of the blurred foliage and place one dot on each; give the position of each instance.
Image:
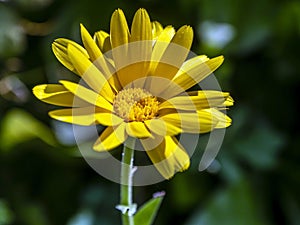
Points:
(235, 205)
(5, 213)
(255, 179)
(27, 128)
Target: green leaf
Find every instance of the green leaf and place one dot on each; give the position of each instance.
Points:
(19, 126)
(146, 214)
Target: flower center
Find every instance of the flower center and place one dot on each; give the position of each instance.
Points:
(135, 104)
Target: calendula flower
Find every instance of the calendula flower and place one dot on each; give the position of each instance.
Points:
(135, 83)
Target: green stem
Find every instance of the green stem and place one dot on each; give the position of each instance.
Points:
(127, 171)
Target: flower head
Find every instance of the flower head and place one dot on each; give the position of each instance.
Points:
(135, 83)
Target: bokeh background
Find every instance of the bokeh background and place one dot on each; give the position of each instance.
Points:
(255, 179)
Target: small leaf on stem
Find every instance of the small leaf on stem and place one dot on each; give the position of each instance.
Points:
(146, 214)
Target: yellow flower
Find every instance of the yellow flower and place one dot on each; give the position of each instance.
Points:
(134, 82)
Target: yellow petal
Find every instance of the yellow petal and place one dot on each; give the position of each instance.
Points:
(86, 116)
(162, 128)
(80, 116)
(87, 95)
(188, 122)
(184, 37)
(199, 100)
(165, 35)
(119, 32)
(140, 48)
(57, 94)
(59, 47)
(193, 71)
(212, 99)
(89, 44)
(168, 156)
(223, 120)
(99, 60)
(108, 119)
(114, 82)
(141, 26)
(102, 39)
(175, 54)
(163, 38)
(168, 56)
(107, 69)
(202, 121)
(132, 62)
(191, 64)
(111, 138)
(90, 74)
(137, 130)
(157, 28)
(160, 46)
(119, 37)
(180, 103)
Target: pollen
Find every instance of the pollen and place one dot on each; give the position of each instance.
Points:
(135, 104)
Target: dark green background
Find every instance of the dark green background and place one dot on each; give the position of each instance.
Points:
(256, 178)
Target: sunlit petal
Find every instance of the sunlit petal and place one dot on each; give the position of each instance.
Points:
(99, 60)
(137, 130)
(86, 116)
(157, 28)
(87, 95)
(202, 121)
(199, 100)
(102, 40)
(195, 70)
(223, 120)
(162, 127)
(57, 94)
(90, 74)
(107, 118)
(119, 32)
(175, 53)
(89, 44)
(140, 48)
(160, 45)
(60, 50)
(80, 116)
(111, 138)
(168, 156)
(119, 38)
